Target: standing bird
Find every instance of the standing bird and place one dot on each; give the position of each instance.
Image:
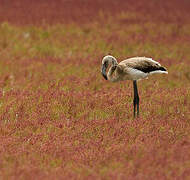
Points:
(130, 69)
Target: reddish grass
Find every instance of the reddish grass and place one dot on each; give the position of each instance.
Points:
(80, 11)
(59, 119)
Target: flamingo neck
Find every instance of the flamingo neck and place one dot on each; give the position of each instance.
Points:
(111, 75)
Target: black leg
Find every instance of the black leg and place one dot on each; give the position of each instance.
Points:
(137, 104)
(134, 107)
(136, 99)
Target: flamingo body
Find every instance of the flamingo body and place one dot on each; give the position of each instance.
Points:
(134, 69)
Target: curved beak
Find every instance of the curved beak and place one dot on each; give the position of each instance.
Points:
(104, 71)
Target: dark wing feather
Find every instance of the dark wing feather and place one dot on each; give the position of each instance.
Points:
(148, 66)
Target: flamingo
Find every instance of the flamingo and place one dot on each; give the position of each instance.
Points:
(134, 69)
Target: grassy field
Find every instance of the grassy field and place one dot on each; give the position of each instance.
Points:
(59, 119)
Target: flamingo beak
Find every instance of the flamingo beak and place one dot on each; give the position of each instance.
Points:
(104, 71)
